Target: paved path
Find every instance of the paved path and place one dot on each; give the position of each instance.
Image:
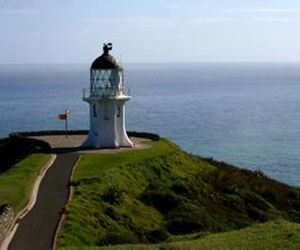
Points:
(36, 230)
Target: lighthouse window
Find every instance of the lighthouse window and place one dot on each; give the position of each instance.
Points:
(94, 110)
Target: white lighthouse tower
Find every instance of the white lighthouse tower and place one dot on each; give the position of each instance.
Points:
(106, 97)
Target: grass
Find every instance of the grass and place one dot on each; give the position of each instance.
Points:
(89, 165)
(163, 194)
(16, 183)
(278, 234)
(13, 150)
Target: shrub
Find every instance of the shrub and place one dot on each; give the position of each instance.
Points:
(180, 188)
(115, 236)
(113, 195)
(189, 218)
(161, 198)
(156, 236)
(15, 149)
(233, 201)
(255, 213)
(110, 211)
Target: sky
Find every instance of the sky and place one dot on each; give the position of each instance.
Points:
(73, 31)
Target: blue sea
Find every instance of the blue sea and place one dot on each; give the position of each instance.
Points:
(247, 114)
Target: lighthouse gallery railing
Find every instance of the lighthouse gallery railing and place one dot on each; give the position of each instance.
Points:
(104, 92)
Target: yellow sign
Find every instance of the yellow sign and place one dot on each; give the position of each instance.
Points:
(62, 117)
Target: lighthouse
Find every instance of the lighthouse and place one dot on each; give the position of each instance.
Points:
(106, 97)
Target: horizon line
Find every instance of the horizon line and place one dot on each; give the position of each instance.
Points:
(156, 62)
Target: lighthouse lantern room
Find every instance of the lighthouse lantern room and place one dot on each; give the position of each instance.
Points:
(106, 98)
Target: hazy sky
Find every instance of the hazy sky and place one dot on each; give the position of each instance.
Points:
(72, 31)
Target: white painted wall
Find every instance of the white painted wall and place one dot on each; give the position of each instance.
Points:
(107, 128)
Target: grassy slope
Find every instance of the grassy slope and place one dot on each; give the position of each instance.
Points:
(151, 195)
(13, 150)
(16, 183)
(278, 234)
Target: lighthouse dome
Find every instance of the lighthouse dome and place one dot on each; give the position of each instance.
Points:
(106, 73)
(106, 61)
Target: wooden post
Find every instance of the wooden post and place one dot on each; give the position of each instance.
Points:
(66, 122)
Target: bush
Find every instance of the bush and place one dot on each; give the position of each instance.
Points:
(15, 149)
(115, 237)
(113, 195)
(156, 236)
(255, 213)
(150, 136)
(161, 198)
(189, 218)
(180, 188)
(5, 207)
(233, 201)
(110, 211)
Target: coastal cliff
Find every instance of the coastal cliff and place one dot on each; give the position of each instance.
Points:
(157, 195)
(163, 195)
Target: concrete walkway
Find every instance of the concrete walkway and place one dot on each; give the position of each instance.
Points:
(37, 229)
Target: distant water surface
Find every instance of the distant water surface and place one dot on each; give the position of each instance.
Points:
(245, 114)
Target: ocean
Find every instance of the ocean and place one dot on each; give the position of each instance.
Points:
(246, 114)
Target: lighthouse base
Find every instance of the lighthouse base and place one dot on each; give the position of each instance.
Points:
(94, 141)
(107, 123)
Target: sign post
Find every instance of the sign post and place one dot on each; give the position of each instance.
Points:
(65, 118)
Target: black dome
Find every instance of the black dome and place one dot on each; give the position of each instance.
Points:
(106, 61)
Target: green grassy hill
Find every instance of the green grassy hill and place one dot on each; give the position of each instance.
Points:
(278, 234)
(163, 194)
(16, 183)
(21, 160)
(14, 149)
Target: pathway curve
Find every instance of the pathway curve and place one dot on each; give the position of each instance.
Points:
(37, 229)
